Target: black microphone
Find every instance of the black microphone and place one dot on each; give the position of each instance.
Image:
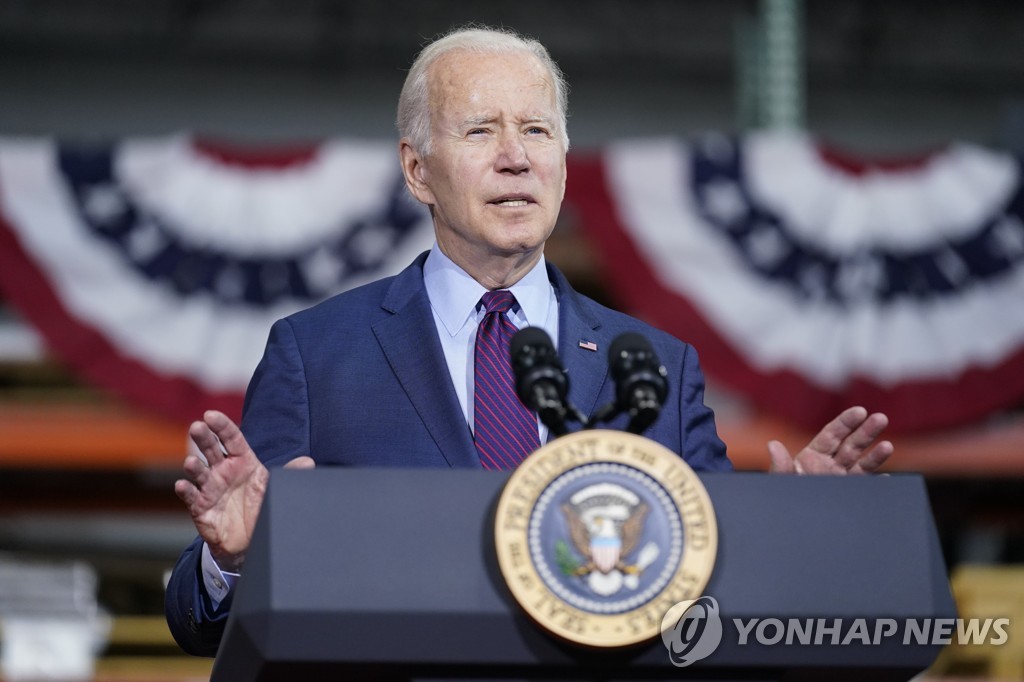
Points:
(541, 381)
(640, 380)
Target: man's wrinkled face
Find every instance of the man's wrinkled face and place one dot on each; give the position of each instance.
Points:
(495, 174)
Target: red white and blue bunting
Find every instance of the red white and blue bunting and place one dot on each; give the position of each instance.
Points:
(808, 287)
(155, 267)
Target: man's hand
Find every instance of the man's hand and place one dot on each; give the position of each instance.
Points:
(845, 446)
(224, 493)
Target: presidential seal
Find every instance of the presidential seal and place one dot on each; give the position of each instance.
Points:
(599, 533)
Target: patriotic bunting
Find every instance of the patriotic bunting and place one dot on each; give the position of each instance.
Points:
(155, 267)
(808, 287)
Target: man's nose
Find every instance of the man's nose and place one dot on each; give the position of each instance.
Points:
(512, 156)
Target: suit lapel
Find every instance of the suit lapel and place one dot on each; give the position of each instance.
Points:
(588, 370)
(408, 338)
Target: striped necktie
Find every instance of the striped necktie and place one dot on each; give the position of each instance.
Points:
(504, 430)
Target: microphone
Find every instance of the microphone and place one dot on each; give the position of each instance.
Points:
(640, 380)
(541, 381)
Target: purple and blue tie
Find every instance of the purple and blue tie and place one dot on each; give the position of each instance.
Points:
(504, 429)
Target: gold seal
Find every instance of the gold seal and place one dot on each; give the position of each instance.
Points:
(599, 533)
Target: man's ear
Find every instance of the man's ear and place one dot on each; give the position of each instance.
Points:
(565, 176)
(415, 172)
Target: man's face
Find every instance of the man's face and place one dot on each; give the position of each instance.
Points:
(495, 175)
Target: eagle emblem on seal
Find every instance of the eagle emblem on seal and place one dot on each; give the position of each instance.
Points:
(606, 523)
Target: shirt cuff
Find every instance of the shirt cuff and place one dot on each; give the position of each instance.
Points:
(218, 583)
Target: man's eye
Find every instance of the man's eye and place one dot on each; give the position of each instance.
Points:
(477, 131)
(536, 130)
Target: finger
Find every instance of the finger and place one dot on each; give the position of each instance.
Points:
(853, 447)
(781, 461)
(301, 463)
(207, 441)
(828, 440)
(874, 459)
(196, 471)
(186, 492)
(228, 433)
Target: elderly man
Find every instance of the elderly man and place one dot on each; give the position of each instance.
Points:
(390, 374)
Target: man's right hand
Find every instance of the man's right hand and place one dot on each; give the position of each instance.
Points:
(224, 493)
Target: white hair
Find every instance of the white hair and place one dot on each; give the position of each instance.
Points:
(414, 103)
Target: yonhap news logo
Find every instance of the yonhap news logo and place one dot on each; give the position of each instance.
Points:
(692, 630)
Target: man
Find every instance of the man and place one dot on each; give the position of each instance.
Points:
(385, 374)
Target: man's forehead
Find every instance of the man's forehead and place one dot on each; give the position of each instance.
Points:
(472, 87)
(461, 69)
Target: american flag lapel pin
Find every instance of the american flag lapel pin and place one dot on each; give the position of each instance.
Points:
(588, 345)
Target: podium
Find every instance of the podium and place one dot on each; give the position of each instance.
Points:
(392, 574)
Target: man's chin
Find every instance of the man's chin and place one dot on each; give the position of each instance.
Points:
(523, 241)
(521, 249)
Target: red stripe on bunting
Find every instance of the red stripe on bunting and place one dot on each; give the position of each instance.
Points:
(910, 405)
(857, 165)
(88, 352)
(269, 158)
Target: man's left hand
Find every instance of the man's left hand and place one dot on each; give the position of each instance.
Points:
(845, 446)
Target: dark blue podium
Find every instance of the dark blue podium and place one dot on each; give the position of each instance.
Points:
(391, 574)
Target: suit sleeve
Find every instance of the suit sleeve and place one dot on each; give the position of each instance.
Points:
(276, 424)
(196, 626)
(701, 446)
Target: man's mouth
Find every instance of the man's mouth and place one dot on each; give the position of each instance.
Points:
(512, 201)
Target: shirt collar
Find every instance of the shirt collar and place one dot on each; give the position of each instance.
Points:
(454, 295)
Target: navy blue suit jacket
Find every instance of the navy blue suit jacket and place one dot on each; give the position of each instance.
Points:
(361, 380)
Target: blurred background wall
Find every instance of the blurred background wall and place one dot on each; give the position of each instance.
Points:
(880, 76)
